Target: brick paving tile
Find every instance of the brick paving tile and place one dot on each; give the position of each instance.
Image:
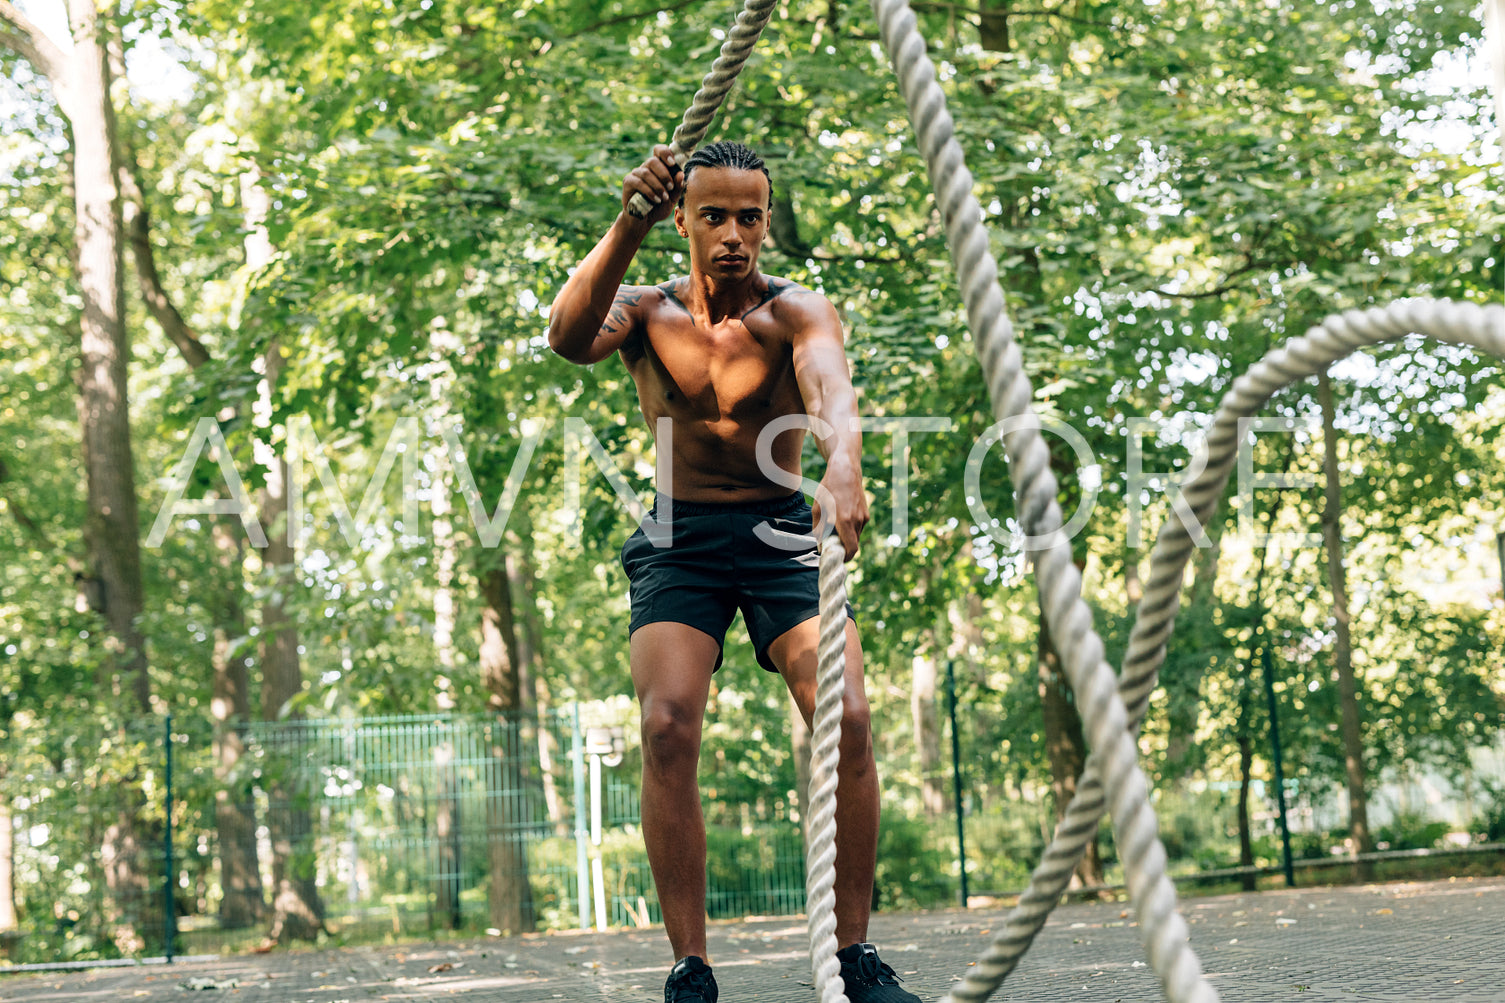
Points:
(1399, 943)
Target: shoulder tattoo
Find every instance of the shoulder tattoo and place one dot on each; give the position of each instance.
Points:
(672, 290)
(777, 288)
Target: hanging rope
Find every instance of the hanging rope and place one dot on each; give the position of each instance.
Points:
(825, 754)
(1104, 716)
(1196, 502)
(739, 44)
(1112, 708)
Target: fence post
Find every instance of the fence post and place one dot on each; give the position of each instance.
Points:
(956, 776)
(1278, 759)
(170, 919)
(577, 760)
(1500, 536)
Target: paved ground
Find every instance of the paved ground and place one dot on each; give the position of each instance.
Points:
(1405, 943)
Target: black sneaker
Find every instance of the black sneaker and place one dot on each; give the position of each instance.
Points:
(691, 981)
(868, 979)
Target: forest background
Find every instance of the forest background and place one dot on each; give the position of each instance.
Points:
(277, 252)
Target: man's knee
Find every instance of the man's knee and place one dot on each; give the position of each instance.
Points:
(856, 732)
(671, 735)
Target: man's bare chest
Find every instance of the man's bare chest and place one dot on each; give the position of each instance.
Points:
(731, 369)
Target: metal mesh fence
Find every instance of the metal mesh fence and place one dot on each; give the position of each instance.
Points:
(380, 828)
(83, 831)
(431, 826)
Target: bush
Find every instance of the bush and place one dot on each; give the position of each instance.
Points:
(1411, 831)
(1493, 820)
(761, 873)
(914, 870)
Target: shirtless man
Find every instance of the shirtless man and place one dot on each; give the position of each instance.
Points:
(724, 354)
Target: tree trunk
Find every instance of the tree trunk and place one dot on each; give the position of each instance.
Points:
(1245, 836)
(447, 830)
(1245, 732)
(993, 25)
(535, 692)
(1064, 746)
(153, 293)
(534, 688)
(8, 920)
(112, 584)
(448, 836)
(926, 724)
(112, 532)
(297, 911)
(1352, 728)
(510, 894)
(243, 903)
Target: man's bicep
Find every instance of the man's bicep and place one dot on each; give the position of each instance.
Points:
(626, 316)
(819, 343)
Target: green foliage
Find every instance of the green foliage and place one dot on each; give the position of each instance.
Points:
(1202, 830)
(72, 779)
(1492, 824)
(1172, 190)
(915, 869)
(1411, 831)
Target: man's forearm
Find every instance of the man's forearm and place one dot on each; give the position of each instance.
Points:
(585, 301)
(841, 502)
(837, 409)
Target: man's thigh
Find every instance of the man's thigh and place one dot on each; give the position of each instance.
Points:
(672, 665)
(796, 656)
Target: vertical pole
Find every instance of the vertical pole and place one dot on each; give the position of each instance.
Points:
(170, 920)
(1278, 761)
(352, 847)
(1500, 536)
(598, 878)
(956, 776)
(582, 872)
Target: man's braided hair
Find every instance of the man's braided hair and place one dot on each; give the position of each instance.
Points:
(727, 154)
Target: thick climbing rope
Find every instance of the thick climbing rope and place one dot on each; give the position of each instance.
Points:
(1111, 708)
(739, 44)
(1111, 722)
(1196, 502)
(825, 755)
(1104, 716)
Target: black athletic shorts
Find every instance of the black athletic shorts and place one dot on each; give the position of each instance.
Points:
(718, 562)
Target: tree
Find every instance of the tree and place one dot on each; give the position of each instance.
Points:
(80, 82)
(79, 78)
(297, 910)
(1332, 537)
(242, 903)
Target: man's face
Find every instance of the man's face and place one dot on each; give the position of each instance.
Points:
(725, 215)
